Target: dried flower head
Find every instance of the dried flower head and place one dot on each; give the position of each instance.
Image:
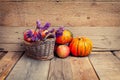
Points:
(38, 23)
(46, 26)
(59, 32)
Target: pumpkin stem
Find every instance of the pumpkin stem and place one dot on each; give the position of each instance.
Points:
(79, 38)
(83, 38)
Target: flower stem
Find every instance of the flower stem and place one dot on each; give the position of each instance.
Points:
(35, 30)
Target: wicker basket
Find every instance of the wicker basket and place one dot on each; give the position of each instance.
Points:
(42, 50)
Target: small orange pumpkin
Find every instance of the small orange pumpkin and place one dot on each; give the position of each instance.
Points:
(80, 46)
(66, 37)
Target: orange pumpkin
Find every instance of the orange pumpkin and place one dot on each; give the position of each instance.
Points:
(81, 46)
(66, 37)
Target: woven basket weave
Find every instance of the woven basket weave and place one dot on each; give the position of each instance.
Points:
(42, 50)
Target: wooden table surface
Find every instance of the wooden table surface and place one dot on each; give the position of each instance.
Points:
(102, 64)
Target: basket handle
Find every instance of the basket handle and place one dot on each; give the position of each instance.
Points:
(49, 35)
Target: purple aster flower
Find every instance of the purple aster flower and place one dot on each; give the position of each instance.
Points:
(29, 33)
(39, 35)
(61, 28)
(59, 32)
(34, 38)
(52, 30)
(46, 26)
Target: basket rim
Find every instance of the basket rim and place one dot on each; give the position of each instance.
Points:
(40, 41)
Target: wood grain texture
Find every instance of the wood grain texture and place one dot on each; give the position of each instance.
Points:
(70, 14)
(29, 69)
(12, 47)
(106, 65)
(59, 0)
(104, 38)
(2, 54)
(71, 68)
(8, 62)
(82, 69)
(60, 69)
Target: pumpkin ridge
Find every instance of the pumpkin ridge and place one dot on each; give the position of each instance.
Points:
(90, 48)
(79, 51)
(87, 48)
(80, 46)
(80, 43)
(77, 46)
(84, 49)
(90, 43)
(71, 46)
(73, 49)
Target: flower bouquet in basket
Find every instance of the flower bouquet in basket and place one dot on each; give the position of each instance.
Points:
(39, 43)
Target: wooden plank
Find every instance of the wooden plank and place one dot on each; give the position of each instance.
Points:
(18, 47)
(107, 38)
(12, 47)
(70, 14)
(2, 54)
(82, 69)
(29, 69)
(71, 68)
(108, 42)
(8, 62)
(60, 69)
(59, 0)
(100, 43)
(77, 31)
(106, 65)
(117, 54)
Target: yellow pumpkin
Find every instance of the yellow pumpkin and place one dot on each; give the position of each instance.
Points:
(80, 46)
